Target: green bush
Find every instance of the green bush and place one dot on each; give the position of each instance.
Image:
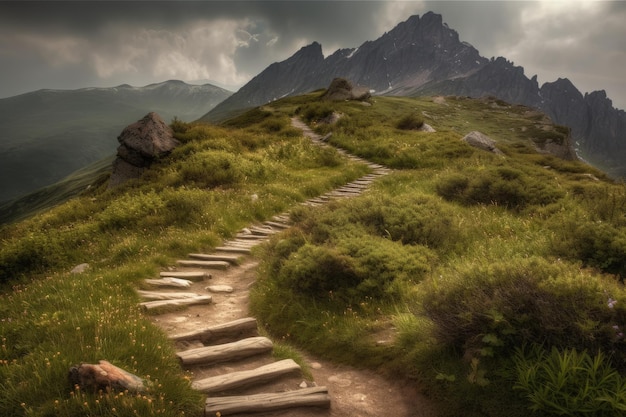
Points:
(597, 244)
(489, 309)
(410, 122)
(569, 383)
(501, 186)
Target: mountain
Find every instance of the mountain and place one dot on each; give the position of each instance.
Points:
(423, 56)
(46, 135)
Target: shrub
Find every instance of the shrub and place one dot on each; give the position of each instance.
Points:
(597, 244)
(569, 382)
(490, 309)
(410, 122)
(316, 111)
(211, 169)
(502, 186)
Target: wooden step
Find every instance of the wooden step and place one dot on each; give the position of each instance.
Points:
(157, 295)
(306, 397)
(169, 282)
(190, 275)
(232, 249)
(266, 231)
(232, 259)
(233, 330)
(151, 305)
(241, 378)
(277, 225)
(249, 236)
(225, 352)
(204, 264)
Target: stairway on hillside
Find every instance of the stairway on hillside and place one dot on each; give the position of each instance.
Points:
(215, 338)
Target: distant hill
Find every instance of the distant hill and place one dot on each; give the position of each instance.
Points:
(46, 135)
(423, 56)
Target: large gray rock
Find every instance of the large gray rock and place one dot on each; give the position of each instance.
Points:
(140, 144)
(481, 141)
(341, 89)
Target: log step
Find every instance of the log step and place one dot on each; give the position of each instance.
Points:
(204, 264)
(266, 231)
(232, 259)
(306, 397)
(151, 305)
(277, 225)
(169, 282)
(190, 275)
(233, 330)
(225, 352)
(156, 295)
(241, 378)
(250, 236)
(232, 249)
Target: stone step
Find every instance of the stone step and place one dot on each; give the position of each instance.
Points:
(204, 264)
(306, 397)
(226, 352)
(238, 379)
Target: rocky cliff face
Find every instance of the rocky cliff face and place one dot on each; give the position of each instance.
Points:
(423, 56)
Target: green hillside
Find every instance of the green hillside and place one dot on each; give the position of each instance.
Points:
(491, 281)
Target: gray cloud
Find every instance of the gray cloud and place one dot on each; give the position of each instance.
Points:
(55, 44)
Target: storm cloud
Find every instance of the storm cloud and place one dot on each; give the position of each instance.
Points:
(70, 45)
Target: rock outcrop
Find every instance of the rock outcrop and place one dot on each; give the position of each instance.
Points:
(481, 141)
(140, 144)
(341, 89)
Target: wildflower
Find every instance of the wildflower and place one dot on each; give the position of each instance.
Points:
(612, 302)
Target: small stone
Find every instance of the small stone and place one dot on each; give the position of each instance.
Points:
(316, 365)
(303, 384)
(79, 269)
(219, 288)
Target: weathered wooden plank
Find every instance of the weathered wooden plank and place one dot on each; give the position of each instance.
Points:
(262, 231)
(232, 249)
(169, 282)
(190, 275)
(156, 295)
(151, 305)
(225, 352)
(241, 378)
(249, 236)
(233, 259)
(204, 264)
(276, 224)
(233, 330)
(306, 397)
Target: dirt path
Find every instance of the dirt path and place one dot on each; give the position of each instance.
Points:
(353, 392)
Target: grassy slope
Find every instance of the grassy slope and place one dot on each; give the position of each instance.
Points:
(51, 319)
(411, 239)
(459, 259)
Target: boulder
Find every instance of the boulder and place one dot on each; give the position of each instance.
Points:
(481, 141)
(341, 89)
(140, 144)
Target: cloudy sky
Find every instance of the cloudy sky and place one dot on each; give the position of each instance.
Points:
(75, 44)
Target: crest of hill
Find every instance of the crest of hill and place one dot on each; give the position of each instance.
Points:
(423, 56)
